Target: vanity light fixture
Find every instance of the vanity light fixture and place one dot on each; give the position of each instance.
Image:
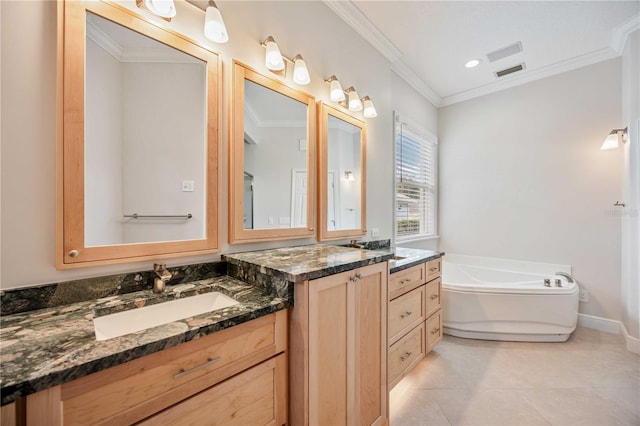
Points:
(214, 28)
(300, 71)
(613, 140)
(369, 108)
(354, 102)
(161, 8)
(348, 176)
(273, 58)
(336, 93)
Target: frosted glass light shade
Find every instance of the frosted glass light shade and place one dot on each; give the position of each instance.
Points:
(611, 142)
(273, 57)
(355, 104)
(162, 8)
(214, 28)
(335, 91)
(369, 108)
(300, 71)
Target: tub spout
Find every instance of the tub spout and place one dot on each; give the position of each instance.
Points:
(569, 277)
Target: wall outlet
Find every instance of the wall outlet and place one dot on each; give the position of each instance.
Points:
(188, 185)
(375, 232)
(584, 295)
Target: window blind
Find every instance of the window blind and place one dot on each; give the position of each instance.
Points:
(415, 167)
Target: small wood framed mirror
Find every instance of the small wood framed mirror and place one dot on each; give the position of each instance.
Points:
(342, 174)
(272, 160)
(137, 156)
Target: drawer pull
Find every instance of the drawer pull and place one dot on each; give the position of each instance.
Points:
(435, 268)
(405, 281)
(356, 277)
(184, 372)
(405, 356)
(406, 314)
(435, 330)
(434, 296)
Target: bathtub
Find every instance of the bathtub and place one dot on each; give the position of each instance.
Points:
(499, 299)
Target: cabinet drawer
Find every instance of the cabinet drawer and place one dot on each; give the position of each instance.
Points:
(405, 312)
(434, 292)
(434, 268)
(434, 329)
(405, 353)
(134, 390)
(406, 280)
(254, 397)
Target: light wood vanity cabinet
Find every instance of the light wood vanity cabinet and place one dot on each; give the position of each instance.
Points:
(415, 316)
(338, 349)
(229, 377)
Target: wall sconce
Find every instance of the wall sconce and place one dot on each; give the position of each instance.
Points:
(613, 140)
(336, 93)
(214, 28)
(354, 103)
(369, 108)
(348, 176)
(274, 60)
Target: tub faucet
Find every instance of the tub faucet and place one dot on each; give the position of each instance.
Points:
(161, 278)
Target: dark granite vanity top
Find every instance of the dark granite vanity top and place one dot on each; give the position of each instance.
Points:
(295, 264)
(408, 257)
(47, 347)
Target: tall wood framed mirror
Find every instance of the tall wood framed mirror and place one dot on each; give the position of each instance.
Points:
(342, 174)
(272, 160)
(137, 157)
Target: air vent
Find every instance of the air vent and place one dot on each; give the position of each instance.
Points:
(505, 52)
(511, 70)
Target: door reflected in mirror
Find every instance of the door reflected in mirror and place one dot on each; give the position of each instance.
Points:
(342, 174)
(145, 139)
(275, 156)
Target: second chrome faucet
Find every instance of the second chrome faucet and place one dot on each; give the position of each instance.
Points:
(161, 278)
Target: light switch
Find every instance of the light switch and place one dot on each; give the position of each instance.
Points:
(375, 232)
(187, 186)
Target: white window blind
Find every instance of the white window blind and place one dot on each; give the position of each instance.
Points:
(416, 189)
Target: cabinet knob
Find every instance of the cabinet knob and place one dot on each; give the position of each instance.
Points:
(74, 253)
(312, 229)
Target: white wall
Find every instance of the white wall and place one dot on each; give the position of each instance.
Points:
(103, 127)
(329, 46)
(630, 295)
(522, 177)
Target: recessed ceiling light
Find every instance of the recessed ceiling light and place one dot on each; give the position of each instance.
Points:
(472, 63)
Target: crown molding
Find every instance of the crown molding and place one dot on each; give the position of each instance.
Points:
(621, 33)
(103, 40)
(404, 72)
(363, 26)
(533, 75)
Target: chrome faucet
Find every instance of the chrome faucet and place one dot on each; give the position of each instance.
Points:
(161, 278)
(355, 244)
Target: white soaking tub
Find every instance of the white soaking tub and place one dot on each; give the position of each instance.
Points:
(500, 299)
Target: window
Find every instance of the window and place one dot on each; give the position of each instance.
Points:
(415, 181)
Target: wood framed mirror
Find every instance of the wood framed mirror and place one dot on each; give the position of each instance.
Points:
(272, 160)
(342, 174)
(137, 156)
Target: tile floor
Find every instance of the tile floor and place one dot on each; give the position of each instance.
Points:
(589, 380)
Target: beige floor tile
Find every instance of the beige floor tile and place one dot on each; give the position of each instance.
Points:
(582, 407)
(590, 380)
(416, 408)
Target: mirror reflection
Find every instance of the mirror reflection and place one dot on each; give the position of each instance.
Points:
(344, 175)
(275, 159)
(145, 133)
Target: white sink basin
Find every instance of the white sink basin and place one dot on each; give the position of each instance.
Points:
(121, 323)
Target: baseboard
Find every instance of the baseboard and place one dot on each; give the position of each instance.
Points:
(610, 326)
(599, 323)
(633, 344)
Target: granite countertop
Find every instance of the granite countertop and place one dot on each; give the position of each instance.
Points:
(410, 257)
(47, 347)
(295, 264)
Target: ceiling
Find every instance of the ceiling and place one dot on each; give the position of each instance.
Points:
(429, 42)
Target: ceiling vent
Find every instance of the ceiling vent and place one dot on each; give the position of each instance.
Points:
(510, 70)
(505, 52)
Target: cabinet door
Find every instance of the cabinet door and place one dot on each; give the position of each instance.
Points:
(347, 348)
(254, 397)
